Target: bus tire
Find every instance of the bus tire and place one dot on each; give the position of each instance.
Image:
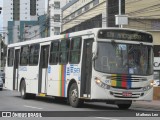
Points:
(73, 96)
(124, 106)
(1, 89)
(24, 95)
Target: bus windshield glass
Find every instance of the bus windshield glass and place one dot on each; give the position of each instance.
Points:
(123, 58)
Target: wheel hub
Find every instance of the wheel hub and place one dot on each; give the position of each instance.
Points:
(74, 95)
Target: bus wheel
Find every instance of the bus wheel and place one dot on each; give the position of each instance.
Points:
(24, 95)
(73, 96)
(124, 106)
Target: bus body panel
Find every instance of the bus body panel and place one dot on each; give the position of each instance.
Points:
(53, 80)
(33, 77)
(9, 78)
(59, 77)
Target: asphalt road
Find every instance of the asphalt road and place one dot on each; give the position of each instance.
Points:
(11, 101)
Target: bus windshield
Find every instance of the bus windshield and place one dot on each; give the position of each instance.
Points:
(123, 58)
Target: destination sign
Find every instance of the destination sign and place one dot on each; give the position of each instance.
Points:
(125, 35)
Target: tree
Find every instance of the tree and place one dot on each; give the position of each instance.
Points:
(3, 49)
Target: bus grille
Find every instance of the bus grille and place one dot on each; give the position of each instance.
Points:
(124, 81)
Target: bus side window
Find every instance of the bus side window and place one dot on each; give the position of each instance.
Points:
(24, 55)
(10, 56)
(75, 50)
(34, 54)
(63, 53)
(54, 52)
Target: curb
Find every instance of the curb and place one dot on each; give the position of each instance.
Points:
(144, 104)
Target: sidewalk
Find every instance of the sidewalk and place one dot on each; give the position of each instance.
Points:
(147, 104)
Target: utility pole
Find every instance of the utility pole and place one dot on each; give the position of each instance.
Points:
(0, 50)
(47, 19)
(121, 26)
(0, 42)
(121, 19)
(0, 9)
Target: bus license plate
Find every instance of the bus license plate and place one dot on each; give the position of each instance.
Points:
(127, 94)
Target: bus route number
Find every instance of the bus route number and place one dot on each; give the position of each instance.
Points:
(76, 70)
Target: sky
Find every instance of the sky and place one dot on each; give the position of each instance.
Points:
(1, 3)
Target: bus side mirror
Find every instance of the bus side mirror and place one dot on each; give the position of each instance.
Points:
(94, 50)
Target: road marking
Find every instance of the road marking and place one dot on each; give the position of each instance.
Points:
(32, 107)
(106, 118)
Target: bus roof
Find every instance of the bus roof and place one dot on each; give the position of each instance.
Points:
(68, 35)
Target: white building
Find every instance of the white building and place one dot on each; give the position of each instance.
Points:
(55, 15)
(22, 10)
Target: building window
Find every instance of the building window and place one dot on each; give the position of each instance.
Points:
(75, 51)
(86, 7)
(56, 30)
(16, 9)
(66, 20)
(72, 15)
(56, 18)
(79, 11)
(156, 50)
(95, 2)
(33, 7)
(56, 5)
(155, 25)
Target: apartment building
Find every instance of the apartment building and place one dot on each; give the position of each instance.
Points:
(21, 10)
(55, 7)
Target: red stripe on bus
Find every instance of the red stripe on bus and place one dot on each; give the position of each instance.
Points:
(124, 81)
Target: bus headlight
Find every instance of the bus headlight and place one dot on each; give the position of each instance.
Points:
(148, 86)
(152, 83)
(101, 84)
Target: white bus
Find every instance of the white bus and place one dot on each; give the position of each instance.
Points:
(111, 64)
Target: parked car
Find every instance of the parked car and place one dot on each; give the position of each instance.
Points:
(1, 84)
(2, 75)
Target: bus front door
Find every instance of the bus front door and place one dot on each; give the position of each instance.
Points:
(15, 69)
(43, 66)
(86, 68)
